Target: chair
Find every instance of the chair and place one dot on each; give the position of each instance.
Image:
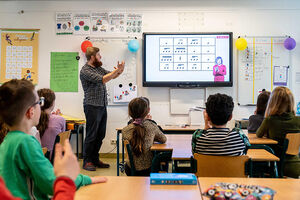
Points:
(45, 150)
(130, 157)
(220, 166)
(160, 162)
(290, 146)
(262, 167)
(60, 138)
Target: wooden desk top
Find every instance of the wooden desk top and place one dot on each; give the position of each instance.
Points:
(255, 140)
(128, 188)
(261, 155)
(73, 119)
(285, 188)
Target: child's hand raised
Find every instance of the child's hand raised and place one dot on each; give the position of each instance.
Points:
(67, 164)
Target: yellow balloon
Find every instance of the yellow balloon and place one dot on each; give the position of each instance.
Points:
(241, 44)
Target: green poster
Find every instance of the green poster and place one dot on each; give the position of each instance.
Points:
(64, 72)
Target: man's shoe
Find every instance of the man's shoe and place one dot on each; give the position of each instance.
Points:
(101, 164)
(89, 166)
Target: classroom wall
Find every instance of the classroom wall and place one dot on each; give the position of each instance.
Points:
(248, 17)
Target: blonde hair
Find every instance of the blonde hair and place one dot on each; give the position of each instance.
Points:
(281, 101)
(91, 51)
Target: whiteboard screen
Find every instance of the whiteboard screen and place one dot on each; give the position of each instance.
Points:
(202, 59)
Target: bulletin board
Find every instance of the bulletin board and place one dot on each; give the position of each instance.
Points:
(264, 64)
(122, 89)
(19, 54)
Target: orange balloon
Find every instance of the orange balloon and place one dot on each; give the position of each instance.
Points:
(85, 44)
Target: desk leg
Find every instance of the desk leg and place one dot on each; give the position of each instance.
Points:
(118, 151)
(82, 141)
(123, 153)
(77, 137)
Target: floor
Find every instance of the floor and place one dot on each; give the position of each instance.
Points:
(112, 171)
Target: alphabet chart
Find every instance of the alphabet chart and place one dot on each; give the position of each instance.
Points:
(19, 55)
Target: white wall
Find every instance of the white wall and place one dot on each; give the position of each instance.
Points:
(248, 17)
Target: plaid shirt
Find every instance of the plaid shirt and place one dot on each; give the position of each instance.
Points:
(93, 87)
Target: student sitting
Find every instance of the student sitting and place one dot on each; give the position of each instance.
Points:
(50, 125)
(66, 169)
(261, 105)
(279, 120)
(23, 166)
(148, 117)
(216, 139)
(141, 134)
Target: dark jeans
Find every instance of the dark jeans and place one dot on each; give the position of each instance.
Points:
(145, 172)
(96, 117)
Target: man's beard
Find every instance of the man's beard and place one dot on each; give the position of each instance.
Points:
(97, 63)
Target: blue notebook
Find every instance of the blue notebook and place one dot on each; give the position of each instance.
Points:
(173, 179)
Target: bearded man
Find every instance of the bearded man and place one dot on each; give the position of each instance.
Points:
(93, 79)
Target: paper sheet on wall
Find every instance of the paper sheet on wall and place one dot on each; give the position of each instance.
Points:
(134, 23)
(117, 22)
(64, 72)
(281, 75)
(64, 23)
(19, 55)
(82, 23)
(99, 22)
(124, 93)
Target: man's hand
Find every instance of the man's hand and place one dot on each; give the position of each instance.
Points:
(118, 70)
(121, 66)
(67, 164)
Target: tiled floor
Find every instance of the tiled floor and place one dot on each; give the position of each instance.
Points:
(112, 171)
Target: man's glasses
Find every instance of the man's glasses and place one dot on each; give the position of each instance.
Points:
(40, 102)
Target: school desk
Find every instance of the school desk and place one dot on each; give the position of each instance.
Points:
(188, 130)
(129, 188)
(182, 150)
(76, 125)
(285, 188)
(181, 141)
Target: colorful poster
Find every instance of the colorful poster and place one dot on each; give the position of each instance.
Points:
(280, 75)
(82, 23)
(64, 24)
(124, 93)
(117, 22)
(64, 72)
(19, 55)
(134, 23)
(99, 22)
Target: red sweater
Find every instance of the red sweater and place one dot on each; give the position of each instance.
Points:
(64, 189)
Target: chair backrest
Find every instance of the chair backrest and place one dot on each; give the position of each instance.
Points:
(60, 138)
(160, 162)
(45, 150)
(294, 143)
(63, 136)
(130, 157)
(220, 166)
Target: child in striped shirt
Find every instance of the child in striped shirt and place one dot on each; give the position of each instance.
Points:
(215, 138)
